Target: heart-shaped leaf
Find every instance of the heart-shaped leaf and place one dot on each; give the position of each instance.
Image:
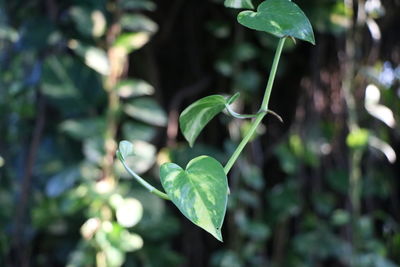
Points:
(239, 4)
(199, 192)
(280, 18)
(196, 116)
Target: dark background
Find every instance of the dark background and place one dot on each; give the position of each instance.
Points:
(320, 189)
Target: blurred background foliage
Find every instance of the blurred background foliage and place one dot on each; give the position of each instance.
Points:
(321, 189)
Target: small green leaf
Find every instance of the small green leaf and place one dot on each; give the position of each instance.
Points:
(196, 116)
(239, 4)
(125, 149)
(138, 155)
(280, 18)
(199, 192)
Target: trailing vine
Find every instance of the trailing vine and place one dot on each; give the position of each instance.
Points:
(200, 191)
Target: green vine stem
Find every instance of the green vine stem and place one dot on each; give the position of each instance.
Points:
(141, 181)
(263, 109)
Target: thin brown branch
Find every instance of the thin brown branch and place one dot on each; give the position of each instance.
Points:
(26, 185)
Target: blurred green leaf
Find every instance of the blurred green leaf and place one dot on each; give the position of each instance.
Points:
(324, 203)
(331, 17)
(340, 217)
(83, 128)
(129, 42)
(239, 52)
(239, 4)
(37, 33)
(357, 138)
(89, 22)
(252, 176)
(129, 212)
(321, 244)
(219, 29)
(288, 162)
(93, 149)
(69, 85)
(258, 230)
(133, 130)
(284, 201)
(138, 5)
(130, 242)
(8, 33)
(226, 258)
(147, 110)
(372, 260)
(62, 181)
(134, 87)
(138, 23)
(93, 57)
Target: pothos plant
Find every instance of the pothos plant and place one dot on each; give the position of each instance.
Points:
(200, 191)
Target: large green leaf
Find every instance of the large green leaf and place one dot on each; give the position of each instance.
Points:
(280, 18)
(200, 192)
(196, 116)
(239, 4)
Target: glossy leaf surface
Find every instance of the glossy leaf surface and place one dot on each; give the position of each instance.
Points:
(199, 192)
(239, 4)
(195, 117)
(280, 18)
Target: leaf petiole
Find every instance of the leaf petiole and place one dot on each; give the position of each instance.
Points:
(140, 180)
